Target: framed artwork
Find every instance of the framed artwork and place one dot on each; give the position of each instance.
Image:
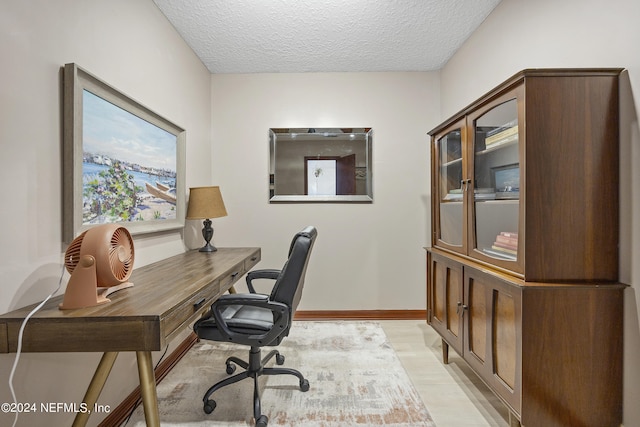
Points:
(506, 181)
(122, 162)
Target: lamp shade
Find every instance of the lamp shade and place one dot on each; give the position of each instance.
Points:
(205, 202)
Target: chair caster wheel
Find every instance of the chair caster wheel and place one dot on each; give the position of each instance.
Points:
(279, 359)
(209, 406)
(304, 385)
(230, 368)
(262, 421)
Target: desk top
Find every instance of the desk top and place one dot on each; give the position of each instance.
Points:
(166, 297)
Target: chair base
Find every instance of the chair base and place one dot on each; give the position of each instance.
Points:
(253, 369)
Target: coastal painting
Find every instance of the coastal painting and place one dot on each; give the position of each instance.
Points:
(128, 166)
(123, 163)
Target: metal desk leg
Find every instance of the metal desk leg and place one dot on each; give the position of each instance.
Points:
(95, 387)
(148, 388)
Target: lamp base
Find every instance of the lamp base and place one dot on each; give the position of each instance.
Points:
(208, 248)
(207, 233)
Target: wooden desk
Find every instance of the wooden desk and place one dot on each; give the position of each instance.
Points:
(167, 297)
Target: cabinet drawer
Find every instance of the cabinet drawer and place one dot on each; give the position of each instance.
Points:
(252, 260)
(192, 308)
(235, 273)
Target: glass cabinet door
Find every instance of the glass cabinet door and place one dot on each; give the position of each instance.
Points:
(450, 217)
(496, 181)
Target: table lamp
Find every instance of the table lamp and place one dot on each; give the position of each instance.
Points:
(206, 203)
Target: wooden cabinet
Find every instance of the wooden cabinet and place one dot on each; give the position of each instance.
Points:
(523, 268)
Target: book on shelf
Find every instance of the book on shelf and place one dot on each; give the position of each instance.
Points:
(508, 246)
(504, 137)
(509, 241)
(508, 125)
(506, 242)
(504, 250)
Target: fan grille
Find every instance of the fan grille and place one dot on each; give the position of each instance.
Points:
(121, 254)
(111, 245)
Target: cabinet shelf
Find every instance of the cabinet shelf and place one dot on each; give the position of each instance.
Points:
(452, 162)
(497, 254)
(497, 199)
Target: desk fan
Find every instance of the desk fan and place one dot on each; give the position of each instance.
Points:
(100, 261)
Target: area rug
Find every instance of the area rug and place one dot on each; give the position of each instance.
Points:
(355, 376)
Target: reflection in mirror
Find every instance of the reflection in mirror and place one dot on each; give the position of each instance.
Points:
(320, 165)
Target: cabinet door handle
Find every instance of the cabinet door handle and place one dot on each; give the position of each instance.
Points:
(461, 308)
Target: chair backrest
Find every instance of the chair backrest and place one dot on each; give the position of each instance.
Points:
(288, 286)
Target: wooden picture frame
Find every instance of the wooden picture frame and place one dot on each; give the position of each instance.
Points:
(121, 161)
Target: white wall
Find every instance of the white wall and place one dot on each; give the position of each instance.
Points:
(367, 256)
(130, 45)
(571, 33)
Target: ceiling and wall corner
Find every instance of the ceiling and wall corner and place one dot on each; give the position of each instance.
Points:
(293, 36)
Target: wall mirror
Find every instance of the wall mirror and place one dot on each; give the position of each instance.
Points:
(320, 165)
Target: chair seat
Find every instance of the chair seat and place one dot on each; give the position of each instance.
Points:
(240, 319)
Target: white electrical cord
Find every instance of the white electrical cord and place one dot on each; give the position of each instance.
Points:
(19, 349)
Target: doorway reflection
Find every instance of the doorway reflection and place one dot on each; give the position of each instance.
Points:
(320, 164)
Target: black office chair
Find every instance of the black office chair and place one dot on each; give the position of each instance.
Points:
(259, 320)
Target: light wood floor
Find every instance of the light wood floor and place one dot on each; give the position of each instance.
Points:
(454, 395)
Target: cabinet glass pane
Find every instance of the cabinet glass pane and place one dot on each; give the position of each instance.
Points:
(450, 169)
(497, 181)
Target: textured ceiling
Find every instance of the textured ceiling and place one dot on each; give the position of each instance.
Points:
(289, 36)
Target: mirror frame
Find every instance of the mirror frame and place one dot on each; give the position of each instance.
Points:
(367, 132)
